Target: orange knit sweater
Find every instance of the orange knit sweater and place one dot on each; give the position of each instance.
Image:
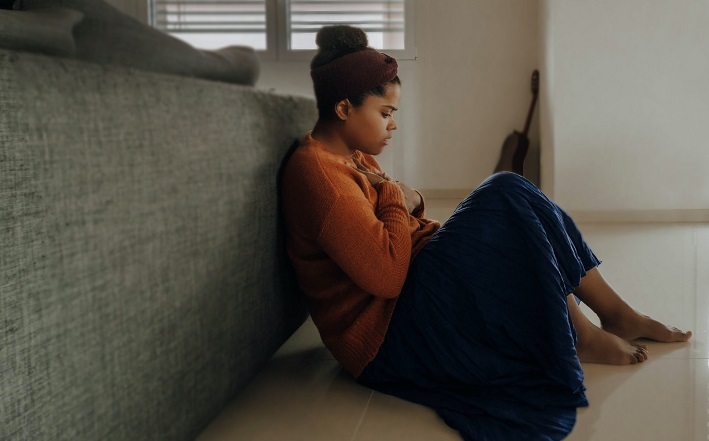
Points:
(351, 245)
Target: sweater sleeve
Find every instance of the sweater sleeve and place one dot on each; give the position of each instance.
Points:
(372, 246)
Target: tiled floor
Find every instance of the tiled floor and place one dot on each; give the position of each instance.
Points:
(661, 269)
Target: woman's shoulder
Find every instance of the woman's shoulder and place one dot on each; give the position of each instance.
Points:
(315, 181)
(311, 164)
(311, 154)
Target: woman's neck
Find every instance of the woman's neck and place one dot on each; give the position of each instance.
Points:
(327, 134)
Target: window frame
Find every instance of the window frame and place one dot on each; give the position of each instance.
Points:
(277, 34)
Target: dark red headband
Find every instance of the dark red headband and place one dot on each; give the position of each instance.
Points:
(352, 75)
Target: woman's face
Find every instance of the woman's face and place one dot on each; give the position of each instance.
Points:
(368, 127)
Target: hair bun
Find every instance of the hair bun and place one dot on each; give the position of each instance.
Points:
(341, 37)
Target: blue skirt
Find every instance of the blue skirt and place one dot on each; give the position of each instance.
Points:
(481, 332)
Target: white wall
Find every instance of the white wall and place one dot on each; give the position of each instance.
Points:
(626, 103)
(471, 87)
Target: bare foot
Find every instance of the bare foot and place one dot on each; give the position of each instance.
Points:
(632, 325)
(595, 345)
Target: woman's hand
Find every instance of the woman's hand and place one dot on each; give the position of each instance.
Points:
(411, 197)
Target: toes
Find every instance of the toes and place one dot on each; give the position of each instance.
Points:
(644, 351)
(679, 335)
(640, 353)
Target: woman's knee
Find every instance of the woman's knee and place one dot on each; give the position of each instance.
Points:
(507, 179)
(503, 186)
(513, 185)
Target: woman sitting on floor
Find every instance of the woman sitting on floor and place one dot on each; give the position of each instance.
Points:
(477, 318)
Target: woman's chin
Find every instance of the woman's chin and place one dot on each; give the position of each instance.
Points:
(374, 151)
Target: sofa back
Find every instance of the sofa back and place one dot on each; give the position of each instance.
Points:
(142, 274)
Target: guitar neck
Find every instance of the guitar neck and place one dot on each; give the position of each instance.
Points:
(530, 114)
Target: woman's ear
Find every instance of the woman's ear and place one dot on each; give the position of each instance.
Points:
(342, 109)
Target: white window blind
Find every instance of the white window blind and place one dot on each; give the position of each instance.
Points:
(282, 28)
(383, 21)
(212, 24)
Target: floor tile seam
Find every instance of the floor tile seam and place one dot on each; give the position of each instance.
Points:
(700, 294)
(695, 268)
(361, 417)
(699, 357)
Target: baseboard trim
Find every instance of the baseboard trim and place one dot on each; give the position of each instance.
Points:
(642, 216)
(445, 193)
(597, 216)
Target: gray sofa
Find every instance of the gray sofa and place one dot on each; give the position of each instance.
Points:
(142, 274)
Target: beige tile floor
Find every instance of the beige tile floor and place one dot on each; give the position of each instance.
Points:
(662, 269)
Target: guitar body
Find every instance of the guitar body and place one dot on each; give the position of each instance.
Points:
(515, 147)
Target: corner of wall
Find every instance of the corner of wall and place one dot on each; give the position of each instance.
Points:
(546, 122)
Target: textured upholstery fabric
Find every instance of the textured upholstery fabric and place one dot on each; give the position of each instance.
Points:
(142, 278)
(108, 36)
(46, 31)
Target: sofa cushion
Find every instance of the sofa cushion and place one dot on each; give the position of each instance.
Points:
(108, 36)
(143, 273)
(47, 31)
